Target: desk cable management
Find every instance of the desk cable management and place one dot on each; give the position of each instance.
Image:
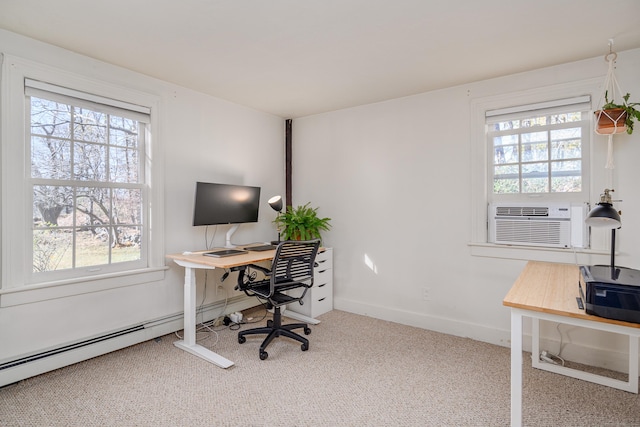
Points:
(205, 329)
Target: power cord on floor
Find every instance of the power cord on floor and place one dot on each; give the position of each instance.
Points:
(235, 325)
(207, 328)
(554, 359)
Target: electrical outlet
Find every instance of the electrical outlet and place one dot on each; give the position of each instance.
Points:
(426, 294)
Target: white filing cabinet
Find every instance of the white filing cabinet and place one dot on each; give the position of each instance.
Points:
(319, 298)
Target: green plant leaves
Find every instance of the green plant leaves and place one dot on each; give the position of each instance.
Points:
(629, 107)
(301, 223)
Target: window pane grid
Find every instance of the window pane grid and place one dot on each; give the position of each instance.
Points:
(86, 174)
(537, 154)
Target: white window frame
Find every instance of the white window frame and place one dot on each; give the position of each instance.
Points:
(77, 99)
(482, 164)
(15, 250)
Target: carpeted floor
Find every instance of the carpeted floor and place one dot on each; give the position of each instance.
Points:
(358, 372)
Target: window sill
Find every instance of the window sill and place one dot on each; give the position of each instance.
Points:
(532, 253)
(60, 289)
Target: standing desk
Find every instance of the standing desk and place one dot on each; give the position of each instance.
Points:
(548, 291)
(196, 260)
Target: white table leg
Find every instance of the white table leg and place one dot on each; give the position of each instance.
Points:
(189, 306)
(188, 344)
(297, 316)
(516, 369)
(535, 343)
(633, 363)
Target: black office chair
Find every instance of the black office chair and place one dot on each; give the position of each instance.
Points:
(291, 270)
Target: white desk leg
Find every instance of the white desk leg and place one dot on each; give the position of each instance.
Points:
(189, 306)
(516, 369)
(535, 343)
(189, 342)
(633, 363)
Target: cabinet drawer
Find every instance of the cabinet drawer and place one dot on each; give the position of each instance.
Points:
(322, 276)
(321, 306)
(317, 301)
(321, 290)
(324, 259)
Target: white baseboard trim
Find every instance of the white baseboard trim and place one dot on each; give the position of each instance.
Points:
(577, 352)
(150, 330)
(432, 323)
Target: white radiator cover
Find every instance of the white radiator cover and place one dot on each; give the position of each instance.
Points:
(555, 225)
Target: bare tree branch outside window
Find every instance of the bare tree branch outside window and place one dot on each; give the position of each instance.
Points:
(87, 189)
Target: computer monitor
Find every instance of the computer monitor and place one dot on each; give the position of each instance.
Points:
(217, 204)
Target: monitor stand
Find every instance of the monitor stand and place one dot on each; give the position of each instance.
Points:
(232, 230)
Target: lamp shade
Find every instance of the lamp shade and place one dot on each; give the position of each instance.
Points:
(603, 216)
(276, 203)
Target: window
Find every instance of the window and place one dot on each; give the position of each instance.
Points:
(82, 182)
(538, 151)
(87, 182)
(530, 147)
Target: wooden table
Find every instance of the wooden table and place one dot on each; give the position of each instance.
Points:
(548, 291)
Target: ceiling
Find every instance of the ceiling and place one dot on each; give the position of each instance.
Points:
(294, 58)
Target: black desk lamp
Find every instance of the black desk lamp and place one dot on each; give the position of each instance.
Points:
(276, 204)
(605, 216)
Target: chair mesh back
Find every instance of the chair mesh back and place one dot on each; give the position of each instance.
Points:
(294, 260)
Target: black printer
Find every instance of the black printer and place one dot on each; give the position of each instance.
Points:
(611, 292)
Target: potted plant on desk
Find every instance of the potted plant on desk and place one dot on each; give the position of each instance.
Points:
(301, 223)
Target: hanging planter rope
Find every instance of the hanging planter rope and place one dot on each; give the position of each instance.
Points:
(610, 121)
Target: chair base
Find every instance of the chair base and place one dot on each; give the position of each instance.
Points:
(274, 329)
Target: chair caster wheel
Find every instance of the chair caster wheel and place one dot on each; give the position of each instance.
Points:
(269, 323)
(307, 331)
(242, 340)
(304, 347)
(263, 355)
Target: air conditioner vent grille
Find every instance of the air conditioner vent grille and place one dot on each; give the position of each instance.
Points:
(532, 232)
(522, 211)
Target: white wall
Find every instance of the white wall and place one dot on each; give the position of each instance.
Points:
(382, 171)
(204, 139)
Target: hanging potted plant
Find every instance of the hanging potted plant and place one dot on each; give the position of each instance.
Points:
(615, 118)
(301, 223)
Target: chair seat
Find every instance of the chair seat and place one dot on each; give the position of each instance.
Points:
(263, 289)
(282, 299)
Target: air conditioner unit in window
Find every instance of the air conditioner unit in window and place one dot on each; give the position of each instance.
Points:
(538, 224)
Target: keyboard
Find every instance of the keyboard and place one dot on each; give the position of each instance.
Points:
(260, 248)
(224, 252)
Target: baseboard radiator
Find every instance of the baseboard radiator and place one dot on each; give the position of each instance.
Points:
(35, 364)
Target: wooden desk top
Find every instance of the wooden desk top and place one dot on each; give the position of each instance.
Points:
(197, 260)
(551, 288)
